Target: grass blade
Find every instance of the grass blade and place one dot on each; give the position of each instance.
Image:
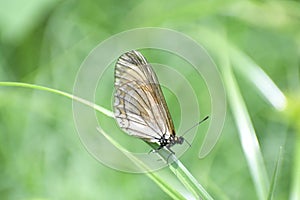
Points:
(295, 191)
(159, 181)
(258, 78)
(247, 135)
(275, 174)
(183, 175)
(65, 94)
(220, 46)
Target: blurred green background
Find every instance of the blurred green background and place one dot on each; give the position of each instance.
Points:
(45, 42)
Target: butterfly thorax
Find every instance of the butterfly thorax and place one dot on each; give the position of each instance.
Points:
(170, 141)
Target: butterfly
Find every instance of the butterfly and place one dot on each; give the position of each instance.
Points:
(140, 108)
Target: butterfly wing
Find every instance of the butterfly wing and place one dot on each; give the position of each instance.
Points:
(140, 107)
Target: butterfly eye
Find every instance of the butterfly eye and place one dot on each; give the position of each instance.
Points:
(180, 140)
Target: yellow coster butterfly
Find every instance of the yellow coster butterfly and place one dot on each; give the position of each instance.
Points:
(139, 105)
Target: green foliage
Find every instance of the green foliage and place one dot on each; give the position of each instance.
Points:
(255, 45)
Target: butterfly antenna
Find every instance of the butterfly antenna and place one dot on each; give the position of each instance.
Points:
(188, 143)
(197, 124)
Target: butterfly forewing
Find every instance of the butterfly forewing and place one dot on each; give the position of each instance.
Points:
(140, 107)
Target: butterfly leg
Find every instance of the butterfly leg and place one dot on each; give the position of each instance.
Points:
(153, 151)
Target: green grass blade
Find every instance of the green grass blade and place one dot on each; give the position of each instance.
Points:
(70, 96)
(183, 175)
(189, 181)
(275, 174)
(258, 78)
(247, 135)
(222, 49)
(295, 186)
(176, 167)
(166, 187)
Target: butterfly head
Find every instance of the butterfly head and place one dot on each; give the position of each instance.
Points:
(178, 140)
